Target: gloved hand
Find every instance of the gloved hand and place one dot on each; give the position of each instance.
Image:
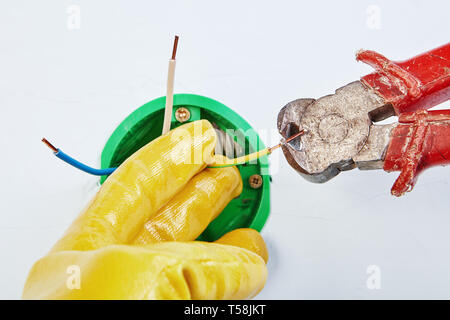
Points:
(135, 238)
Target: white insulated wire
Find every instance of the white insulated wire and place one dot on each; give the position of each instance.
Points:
(169, 96)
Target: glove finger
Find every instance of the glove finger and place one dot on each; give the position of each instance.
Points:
(246, 238)
(189, 212)
(166, 270)
(140, 187)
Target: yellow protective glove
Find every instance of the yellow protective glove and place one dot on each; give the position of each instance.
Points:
(188, 213)
(115, 246)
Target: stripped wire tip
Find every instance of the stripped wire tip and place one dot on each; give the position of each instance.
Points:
(175, 46)
(49, 145)
(298, 134)
(301, 132)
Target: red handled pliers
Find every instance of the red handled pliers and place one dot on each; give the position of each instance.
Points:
(341, 131)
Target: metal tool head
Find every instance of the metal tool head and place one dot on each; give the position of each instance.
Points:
(337, 128)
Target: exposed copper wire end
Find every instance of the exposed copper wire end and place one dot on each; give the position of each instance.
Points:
(49, 145)
(298, 134)
(301, 132)
(175, 45)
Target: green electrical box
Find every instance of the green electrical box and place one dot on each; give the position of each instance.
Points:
(251, 209)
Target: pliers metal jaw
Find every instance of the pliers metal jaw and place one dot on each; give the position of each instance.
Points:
(341, 131)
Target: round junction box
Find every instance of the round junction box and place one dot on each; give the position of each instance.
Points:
(251, 209)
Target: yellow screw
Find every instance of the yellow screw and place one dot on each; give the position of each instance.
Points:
(255, 181)
(182, 114)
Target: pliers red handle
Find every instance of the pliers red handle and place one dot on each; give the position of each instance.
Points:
(420, 140)
(341, 128)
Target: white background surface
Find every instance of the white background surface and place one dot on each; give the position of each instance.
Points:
(75, 86)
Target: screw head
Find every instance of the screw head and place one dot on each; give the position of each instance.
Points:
(182, 114)
(255, 181)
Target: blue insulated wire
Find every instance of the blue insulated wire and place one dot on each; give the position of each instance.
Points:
(77, 164)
